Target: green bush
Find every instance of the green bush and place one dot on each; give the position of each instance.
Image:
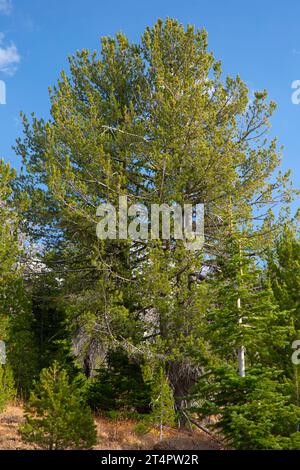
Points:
(56, 415)
(255, 412)
(119, 386)
(140, 429)
(7, 390)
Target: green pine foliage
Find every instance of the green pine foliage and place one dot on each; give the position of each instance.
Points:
(162, 397)
(56, 415)
(119, 386)
(50, 325)
(7, 386)
(22, 353)
(253, 412)
(243, 310)
(9, 276)
(15, 308)
(260, 410)
(158, 122)
(284, 271)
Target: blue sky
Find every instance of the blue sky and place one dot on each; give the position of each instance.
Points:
(260, 40)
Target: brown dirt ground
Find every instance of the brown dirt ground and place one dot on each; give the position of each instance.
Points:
(112, 435)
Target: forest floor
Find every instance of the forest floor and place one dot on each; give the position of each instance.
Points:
(112, 435)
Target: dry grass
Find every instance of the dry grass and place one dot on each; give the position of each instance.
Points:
(10, 421)
(112, 435)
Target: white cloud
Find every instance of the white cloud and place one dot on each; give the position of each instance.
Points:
(9, 57)
(6, 6)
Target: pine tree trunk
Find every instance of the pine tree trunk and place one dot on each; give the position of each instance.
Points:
(241, 356)
(241, 351)
(161, 431)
